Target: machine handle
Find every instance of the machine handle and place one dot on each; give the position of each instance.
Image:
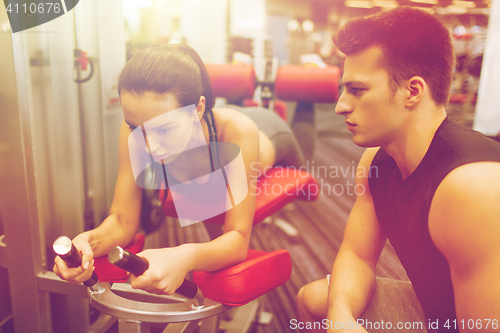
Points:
(137, 266)
(64, 248)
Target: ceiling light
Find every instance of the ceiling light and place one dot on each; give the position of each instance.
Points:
(465, 4)
(359, 3)
(308, 25)
(456, 9)
(385, 3)
(432, 2)
(293, 25)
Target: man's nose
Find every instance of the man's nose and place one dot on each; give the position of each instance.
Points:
(343, 106)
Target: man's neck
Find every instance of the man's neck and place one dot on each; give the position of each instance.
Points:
(412, 145)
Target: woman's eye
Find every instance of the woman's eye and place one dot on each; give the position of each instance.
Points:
(164, 130)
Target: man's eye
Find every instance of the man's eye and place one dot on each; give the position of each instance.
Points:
(356, 91)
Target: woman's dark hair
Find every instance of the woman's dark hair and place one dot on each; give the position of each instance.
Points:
(175, 69)
(413, 41)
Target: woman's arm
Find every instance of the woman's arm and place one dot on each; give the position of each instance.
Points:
(122, 223)
(169, 266)
(238, 220)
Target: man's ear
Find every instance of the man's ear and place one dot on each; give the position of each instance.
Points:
(200, 107)
(416, 88)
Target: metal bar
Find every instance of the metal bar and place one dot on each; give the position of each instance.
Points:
(50, 282)
(188, 327)
(210, 324)
(161, 312)
(128, 326)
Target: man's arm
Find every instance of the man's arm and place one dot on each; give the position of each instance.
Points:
(353, 273)
(464, 223)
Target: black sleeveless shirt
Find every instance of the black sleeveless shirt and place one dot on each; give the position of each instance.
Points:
(402, 207)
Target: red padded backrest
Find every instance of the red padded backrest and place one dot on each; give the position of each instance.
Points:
(233, 82)
(275, 189)
(280, 186)
(307, 84)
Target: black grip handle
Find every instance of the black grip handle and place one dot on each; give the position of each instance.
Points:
(137, 266)
(188, 289)
(128, 261)
(65, 248)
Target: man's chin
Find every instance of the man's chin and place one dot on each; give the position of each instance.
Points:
(363, 142)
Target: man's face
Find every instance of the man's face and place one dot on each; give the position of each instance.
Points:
(373, 111)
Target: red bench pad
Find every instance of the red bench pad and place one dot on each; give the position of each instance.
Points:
(246, 281)
(299, 83)
(107, 272)
(275, 189)
(233, 82)
(280, 186)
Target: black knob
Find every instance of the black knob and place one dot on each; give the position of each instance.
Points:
(137, 266)
(128, 261)
(64, 247)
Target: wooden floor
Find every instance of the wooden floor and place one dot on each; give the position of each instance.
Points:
(321, 223)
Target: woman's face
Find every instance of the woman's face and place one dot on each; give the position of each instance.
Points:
(167, 128)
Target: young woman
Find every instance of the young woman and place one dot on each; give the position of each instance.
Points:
(162, 90)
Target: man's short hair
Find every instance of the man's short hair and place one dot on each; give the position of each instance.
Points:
(414, 43)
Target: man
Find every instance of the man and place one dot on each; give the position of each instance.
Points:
(434, 191)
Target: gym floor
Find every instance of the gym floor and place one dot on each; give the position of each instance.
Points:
(320, 224)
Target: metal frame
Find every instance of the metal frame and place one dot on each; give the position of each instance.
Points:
(24, 259)
(40, 171)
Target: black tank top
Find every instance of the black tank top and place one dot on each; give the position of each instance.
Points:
(402, 207)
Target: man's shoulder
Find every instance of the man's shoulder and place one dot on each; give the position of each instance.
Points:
(466, 200)
(471, 178)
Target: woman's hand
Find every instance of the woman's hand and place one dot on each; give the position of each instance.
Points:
(167, 269)
(81, 273)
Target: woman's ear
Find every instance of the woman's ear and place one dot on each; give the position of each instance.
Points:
(200, 107)
(416, 88)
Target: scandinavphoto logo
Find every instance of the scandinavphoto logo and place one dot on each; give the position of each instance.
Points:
(170, 151)
(25, 14)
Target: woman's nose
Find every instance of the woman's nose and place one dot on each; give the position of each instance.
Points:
(153, 143)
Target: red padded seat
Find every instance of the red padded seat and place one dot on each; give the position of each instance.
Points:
(246, 281)
(108, 272)
(275, 189)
